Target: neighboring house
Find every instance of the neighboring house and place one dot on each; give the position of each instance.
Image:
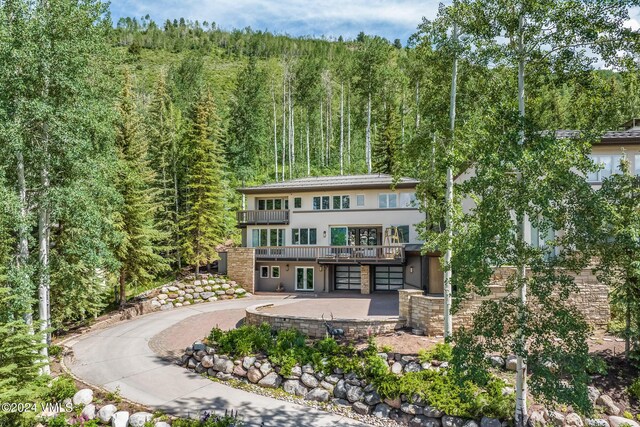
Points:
(337, 233)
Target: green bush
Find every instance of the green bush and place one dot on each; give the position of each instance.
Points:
(62, 387)
(58, 421)
(442, 352)
(597, 365)
(634, 389)
(214, 421)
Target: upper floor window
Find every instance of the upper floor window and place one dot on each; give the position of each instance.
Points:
(321, 203)
(303, 236)
(267, 237)
(387, 200)
(408, 200)
(401, 232)
(610, 164)
(360, 200)
(340, 202)
(272, 204)
(297, 202)
(637, 161)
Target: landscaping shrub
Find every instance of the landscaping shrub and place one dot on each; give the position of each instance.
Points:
(58, 421)
(62, 387)
(634, 389)
(597, 365)
(442, 352)
(210, 420)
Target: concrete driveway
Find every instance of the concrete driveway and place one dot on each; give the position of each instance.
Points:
(120, 356)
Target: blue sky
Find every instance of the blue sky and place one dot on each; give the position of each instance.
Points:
(331, 18)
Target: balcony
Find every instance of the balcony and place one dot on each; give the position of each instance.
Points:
(265, 217)
(333, 254)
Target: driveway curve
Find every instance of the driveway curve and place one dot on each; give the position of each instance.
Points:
(131, 356)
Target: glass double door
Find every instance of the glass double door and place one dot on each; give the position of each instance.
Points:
(355, 236)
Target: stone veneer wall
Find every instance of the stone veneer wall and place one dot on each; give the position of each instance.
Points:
(313, 327)
(427, 312)
(241, 267)
(365, 279)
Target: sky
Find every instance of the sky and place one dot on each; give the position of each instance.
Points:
(391, 19)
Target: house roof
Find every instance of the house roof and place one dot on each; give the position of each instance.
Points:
(338, 182)
(613, 137)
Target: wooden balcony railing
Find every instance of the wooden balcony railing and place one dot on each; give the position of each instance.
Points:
(245, 218)
(333, 254)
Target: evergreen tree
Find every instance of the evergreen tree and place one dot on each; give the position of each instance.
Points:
(385, 150)
(137, 252)
(203, 222)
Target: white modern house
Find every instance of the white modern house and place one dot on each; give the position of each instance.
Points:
(337, 233)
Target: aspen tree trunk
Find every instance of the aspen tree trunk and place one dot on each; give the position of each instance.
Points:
(176, 217)
(330, 124)
(308, 149)
(284, 120)
(290, 132)
(448, 324)
(342, 128)
(43, 243)
(322, 151)
(23, 235)
(349, 130)
(417, 105)
(328, 134)
(521, 366)
(275, 136)
(402, 119)
(368, 136)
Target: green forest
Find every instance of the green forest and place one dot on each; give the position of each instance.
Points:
(123, 142)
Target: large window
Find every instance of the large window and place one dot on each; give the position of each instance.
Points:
(401, 231)
(321, 203)
(303, 236)
(338, 236)
(267, 237)
(387, 200)
(304, 278)
(340, 202)
(272, 204)
(543, 239)
(610, 164)
(408, 200)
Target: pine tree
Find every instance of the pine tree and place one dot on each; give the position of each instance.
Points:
(137, 253)
(203, 223)
(385, 151)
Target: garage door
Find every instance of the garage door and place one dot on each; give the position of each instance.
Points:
(347, 277)
(388, 277)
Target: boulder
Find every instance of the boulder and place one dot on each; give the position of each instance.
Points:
(394, 403)
(162, 424)
(596, 422)
(422, 421)
(265, 368)
(340, 402)
(89, 411)
(372, 398)
(431, 412)
(254, 375)
(620, 421)
(230, 292)
(471, 423)
(309, 380)
(496, 361)
(163, 296)
(490, 422)
(296, 372)
(198, 345)
(248, 362)
(573, 419)
(448, 421)
(340, 390)
(120, 419)
(333, 378)
(200, 369)
(412, 367)
(82, 397)
(594, 394)
(381, 411)
(511, 363)
(173, 289)
(206, 295)
(318, 395)
(271, 380)
(610, 407)
(239, 371)
(294, 387)
(223, 365)
(536, 419)
(199, 289)
(411, 409)
(225, 286)
(207, 361)
(396, 368)
(354, 393)
(327, 386)
(192, 363)
(106, 412)
(240, 291)
(139, 419)
(361, 408)
(224, 376)
(556, 418)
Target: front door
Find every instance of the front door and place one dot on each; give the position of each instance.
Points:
(347, 277)
(304, 278)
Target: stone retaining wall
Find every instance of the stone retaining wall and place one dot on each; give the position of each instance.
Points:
(426, 312)
(241, 267)
(313, 327)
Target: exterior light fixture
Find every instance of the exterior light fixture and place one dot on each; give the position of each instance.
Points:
(324, 233)
(411, 269)
(287, 267)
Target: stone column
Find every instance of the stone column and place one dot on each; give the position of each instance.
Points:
(405, 304)
(241, 264)
(365, 279)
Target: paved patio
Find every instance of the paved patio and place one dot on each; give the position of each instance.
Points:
(343, 305)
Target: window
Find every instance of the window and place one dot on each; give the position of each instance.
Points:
(541, 239)
(297, 202)
(267, 237)
(275, 272)
(402, 233)
(387, 200)
(360, 200)
(304, 278)
(340, 202)
(272, 204)
(321, 202)
(303, 236)
(407, 200)
(264, 271)
(637, 164)
(338, 236)
(609, 165)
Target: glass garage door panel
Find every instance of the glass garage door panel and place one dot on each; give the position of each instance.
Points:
(388, 278)
(347, 277)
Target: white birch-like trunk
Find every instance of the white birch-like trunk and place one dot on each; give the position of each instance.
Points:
(275, 136)
(322, 151)
(284, 120)
(417, 105)
(44, 285)
(521, 366)
(23, 235)
(290, 132)
(368, 136)
(448, 323)
(349, 130)
(308, 149)
(402, 120)
(342, 128)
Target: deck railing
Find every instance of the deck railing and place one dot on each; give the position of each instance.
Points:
(245, 218)
(332, 254)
